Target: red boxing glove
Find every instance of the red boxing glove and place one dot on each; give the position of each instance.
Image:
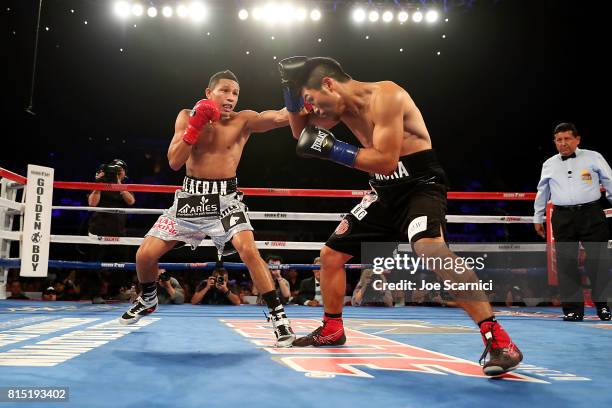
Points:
(203, 112)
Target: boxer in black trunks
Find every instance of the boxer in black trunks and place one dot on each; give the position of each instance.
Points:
(408, 198)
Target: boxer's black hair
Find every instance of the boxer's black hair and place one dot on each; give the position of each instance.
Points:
(227, 74)
(317, 68)
(566, 127)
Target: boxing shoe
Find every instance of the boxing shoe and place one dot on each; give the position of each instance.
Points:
(504, 355)
(139, 309)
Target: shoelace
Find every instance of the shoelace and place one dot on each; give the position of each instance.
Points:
(482, 361)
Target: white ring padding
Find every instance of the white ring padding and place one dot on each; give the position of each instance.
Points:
(280, 245)
(13, 205)
(308, 216)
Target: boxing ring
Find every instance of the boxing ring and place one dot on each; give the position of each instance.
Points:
(186, 355)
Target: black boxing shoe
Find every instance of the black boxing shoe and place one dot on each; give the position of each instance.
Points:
(604, 313)
(573, 317)
(139, 309)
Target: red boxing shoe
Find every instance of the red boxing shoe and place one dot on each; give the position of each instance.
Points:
(504, 356)
(330, 334)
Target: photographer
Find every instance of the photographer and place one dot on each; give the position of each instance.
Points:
(366, 295)
(107, 224)
(169, 289)
(281, 285)
(215, 291)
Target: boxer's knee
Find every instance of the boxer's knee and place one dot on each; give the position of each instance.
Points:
(332, 259)
(248, 253)
(146, 256)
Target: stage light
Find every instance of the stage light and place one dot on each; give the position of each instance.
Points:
(197, 11)
(257, 13)
(387, 16)
(243, 14)
(417, 17)
(315, 15)
(167, 11)
(182, 11)
(122, 9)
(300, 14)
(137, 10)
(359, 15)
(152, 12)
(402, 16)
(373, 16)
(270, 13)
(432, 16)
(286, 13)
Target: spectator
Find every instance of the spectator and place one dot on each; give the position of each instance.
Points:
(280, 284)
(293, 278)
(310, 289)
(169, 289)
(215, 291)
(17, 291)
(370, 291)
(49, 294)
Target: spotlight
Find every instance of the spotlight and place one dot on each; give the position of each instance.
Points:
(417, 17)
(257, 13)
(286, 13)
(373, 16)
(152, 12)
(315, 15)
(182, 11)
(167, 11)
(197, 11)
(122, 9)
(387, 16)
(243, 14)
(137, 10)
(270, 13)
(300, 14)
(402, 16)
(359, 15)
(431, 16)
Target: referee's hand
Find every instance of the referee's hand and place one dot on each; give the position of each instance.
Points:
(540, 230)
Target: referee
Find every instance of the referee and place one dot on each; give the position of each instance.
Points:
(571, 180)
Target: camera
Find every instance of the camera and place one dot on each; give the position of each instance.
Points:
(111, 173)
(220, 280)
(164, 276)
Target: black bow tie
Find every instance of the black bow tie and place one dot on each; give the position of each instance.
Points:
(564, 158)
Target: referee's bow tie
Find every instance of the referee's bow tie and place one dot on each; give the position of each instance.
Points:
(564, 158)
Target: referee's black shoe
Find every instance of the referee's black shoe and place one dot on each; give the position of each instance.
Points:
(573, 317)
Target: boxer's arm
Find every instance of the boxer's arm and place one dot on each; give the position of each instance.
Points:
(179, 151)
(298, 121)
(387, 115)
(259, 122)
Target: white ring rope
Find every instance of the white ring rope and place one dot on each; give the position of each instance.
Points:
(308, 216)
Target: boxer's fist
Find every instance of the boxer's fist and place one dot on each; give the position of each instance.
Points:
(291, 71)
(203, 112)
(321, 143)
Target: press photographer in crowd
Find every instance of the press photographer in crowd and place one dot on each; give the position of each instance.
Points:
(169, 289)
(107, 224)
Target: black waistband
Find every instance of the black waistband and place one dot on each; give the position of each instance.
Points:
(577, 207)
(194, 185)
(410, 165)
